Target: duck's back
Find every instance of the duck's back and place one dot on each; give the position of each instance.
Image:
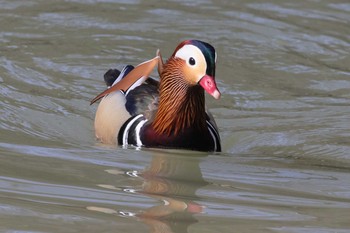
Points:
(117, 107)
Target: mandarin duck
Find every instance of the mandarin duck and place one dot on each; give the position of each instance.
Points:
(138, 110)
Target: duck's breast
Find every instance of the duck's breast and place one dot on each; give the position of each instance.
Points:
(191, 139)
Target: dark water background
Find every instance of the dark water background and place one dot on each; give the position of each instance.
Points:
(283, 69)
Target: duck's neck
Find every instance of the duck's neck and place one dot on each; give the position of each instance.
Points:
(181, 106)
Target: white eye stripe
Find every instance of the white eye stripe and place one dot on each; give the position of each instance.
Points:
(188, 51)
(194, 71)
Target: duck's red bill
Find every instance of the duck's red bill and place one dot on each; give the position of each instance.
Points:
(209, 85)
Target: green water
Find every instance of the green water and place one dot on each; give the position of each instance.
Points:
(283, 70)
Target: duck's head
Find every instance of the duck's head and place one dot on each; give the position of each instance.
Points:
(198, 60)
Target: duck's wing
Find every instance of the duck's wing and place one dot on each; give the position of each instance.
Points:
(140, 98)
(133, 79)
(143, 99)
(160, 62)
(113, 76)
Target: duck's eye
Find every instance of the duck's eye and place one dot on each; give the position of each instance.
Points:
(191, 61)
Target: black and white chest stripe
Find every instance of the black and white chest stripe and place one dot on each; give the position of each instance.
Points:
(215, 136)
(129, 133)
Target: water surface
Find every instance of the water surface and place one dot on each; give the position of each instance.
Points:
(283, 69)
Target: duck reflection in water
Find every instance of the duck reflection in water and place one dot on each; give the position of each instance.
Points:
(173, 177)
(174, 180)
